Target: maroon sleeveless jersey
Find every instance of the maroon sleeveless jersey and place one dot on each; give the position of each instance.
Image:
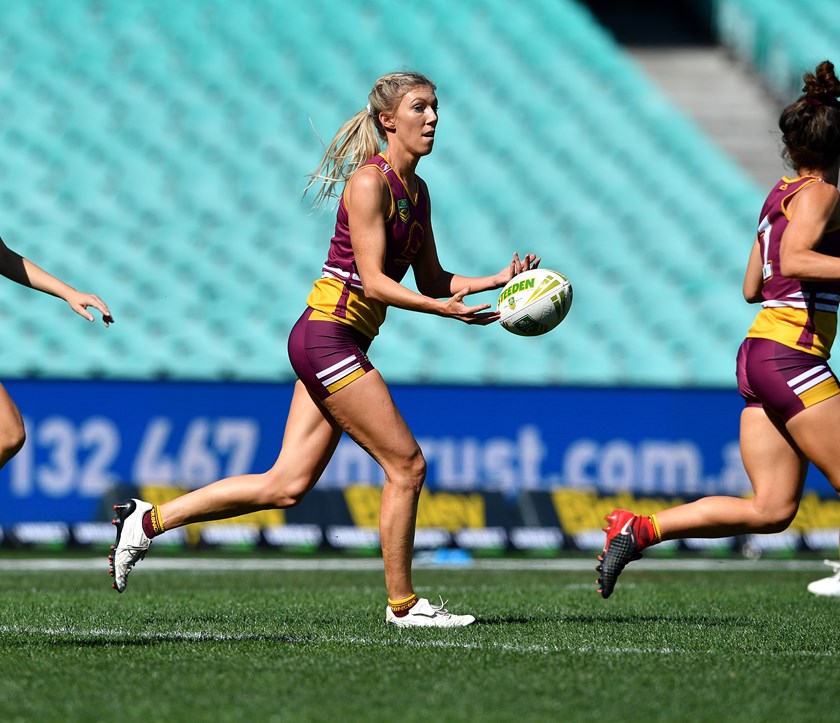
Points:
(798, 314)
(338, 295)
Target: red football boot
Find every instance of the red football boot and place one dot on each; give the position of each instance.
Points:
(621, 547)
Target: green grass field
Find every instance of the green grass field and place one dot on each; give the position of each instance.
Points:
(253, 639)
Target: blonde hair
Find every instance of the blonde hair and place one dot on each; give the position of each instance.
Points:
(362, 136)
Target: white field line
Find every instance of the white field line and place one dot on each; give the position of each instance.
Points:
(209, 637)
(229, 564)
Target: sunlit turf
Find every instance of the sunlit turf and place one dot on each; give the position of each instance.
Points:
(312, 645)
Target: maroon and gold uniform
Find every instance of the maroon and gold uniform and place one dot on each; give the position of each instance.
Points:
(782, 363)
(327, 358)
(338, 295)
(799, 314)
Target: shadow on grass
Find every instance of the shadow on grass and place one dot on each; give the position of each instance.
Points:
(607, 619)
(516, 620)
(671, 619)
(144, 641)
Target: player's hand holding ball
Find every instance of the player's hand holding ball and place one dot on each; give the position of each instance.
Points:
(457, 309)
(517, 266)
(534, 301)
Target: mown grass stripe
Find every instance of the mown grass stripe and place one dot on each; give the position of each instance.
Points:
(213, 637)
(227, 564)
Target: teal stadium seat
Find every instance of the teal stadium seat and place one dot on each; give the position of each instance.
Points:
(156, 153)
(781, 39)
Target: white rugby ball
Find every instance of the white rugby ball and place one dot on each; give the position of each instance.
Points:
(534, 302)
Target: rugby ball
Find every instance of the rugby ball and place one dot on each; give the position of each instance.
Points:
(534, 302)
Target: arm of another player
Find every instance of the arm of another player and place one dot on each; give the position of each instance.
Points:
(811, 211)
(753, 278)
(22, 271)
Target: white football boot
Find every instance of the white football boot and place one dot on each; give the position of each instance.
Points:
(131, 544)
(827, 586)
(425, 615)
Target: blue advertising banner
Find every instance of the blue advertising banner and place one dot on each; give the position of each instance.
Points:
(85, 438)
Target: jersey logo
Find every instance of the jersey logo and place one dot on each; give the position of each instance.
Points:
(402, 209)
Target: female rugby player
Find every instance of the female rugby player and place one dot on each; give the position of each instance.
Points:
(383, 227)
(792, 398)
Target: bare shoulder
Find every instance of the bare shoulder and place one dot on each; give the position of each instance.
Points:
(367, 186)
(821, 192)
(819, 199)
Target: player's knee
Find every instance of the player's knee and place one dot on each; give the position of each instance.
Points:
(283, 492)
(778, 525)
(778, 518)
(411, 472)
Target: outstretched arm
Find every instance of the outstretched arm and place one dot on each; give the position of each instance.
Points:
(433, 280)
(22, 271)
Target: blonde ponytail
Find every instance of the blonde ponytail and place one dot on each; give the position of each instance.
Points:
(356, 141)
(362, 136)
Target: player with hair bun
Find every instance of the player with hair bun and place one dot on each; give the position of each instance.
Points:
(383, 228)
(792, 397)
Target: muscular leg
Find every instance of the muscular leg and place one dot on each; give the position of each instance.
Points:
(817, 433)
(309, 441)
(366, 411)
(12, 435)
(776, 468)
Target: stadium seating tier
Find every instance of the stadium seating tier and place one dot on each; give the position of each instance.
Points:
(155, 153)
